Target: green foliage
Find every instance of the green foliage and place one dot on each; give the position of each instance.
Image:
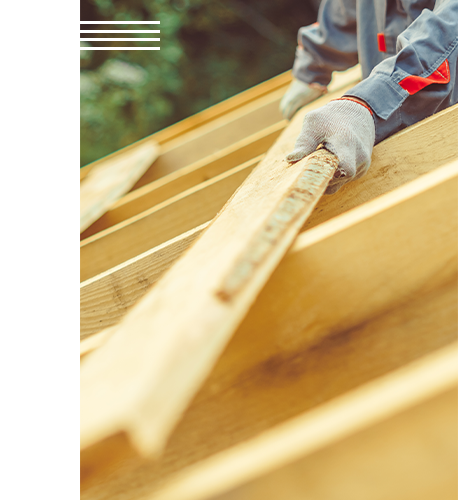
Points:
(209, 51)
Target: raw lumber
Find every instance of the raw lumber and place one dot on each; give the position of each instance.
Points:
(161, 223)
(205, 323)
(123, 241)
(110, 180)
(105, 298)
(187, 177)
(205, 116)
(247, 393)
(394, 437)
(392, 249)
(397, 160)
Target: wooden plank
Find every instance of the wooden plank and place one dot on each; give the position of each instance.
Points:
(185, 178)
(232, 408)
(113, 246)
(106, 298)
(401, 158)
(229, 129)
(110, 180)
(394, 438)
(161, 223)
(205, 116)
(391, 249)
(208, 263)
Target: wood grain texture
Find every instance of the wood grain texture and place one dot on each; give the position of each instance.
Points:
(197, 120)
(204, 324)
(232, 408)
(397, 160)
(392, 438)
(125, 240)
(408, 248)
(107, 182)
(161, 223)
(105, 298)
(187, 177)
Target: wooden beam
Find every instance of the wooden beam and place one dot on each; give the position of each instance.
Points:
(274, 187)
(398, 211)
(397, 160)
(107, 297)
(232, 408)
(161, 223)
(205, 116)
(123, 241)
(110, 180)
(188, 177)
(394, 438)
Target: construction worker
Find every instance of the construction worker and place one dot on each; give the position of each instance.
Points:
(408, 51)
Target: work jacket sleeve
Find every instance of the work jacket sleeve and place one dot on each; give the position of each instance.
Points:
(420, 79)
(328, 45)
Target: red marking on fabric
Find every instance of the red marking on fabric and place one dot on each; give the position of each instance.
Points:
(413, 83)
(381, 42)
(315, 24)
(357, 102)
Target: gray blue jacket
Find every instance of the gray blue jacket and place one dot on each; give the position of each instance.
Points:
(408, 50)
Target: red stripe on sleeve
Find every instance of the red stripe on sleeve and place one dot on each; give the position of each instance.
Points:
(381, 42)
(413, 83)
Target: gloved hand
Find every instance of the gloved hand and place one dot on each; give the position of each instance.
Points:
(298, 95)
(347, 129)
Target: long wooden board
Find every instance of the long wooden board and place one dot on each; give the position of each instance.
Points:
(394, 438)
(275, 186)
(162, 222)
(121, 242)
(385, 258)
(187, 177)
(232, 408)
(399, 159)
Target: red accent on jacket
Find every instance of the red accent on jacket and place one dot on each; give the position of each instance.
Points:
(381, 42)
(415, 83)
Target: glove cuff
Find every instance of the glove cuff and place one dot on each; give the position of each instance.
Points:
(354, 100)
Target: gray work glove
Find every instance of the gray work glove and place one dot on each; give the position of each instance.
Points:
(347, 129)
(298, 95)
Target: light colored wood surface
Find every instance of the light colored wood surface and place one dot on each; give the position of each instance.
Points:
(406, 216)
(123, 241)
(233, 407)
(396, 437)
(204, 324)
(110, 180)
(187, 177)
(161, 223)
(401, 158)
(105, 298)
(205, 116)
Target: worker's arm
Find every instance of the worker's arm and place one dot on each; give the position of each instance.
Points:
(326, 46)
(418, 81)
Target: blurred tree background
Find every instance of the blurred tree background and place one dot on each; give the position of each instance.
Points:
(210, 50)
